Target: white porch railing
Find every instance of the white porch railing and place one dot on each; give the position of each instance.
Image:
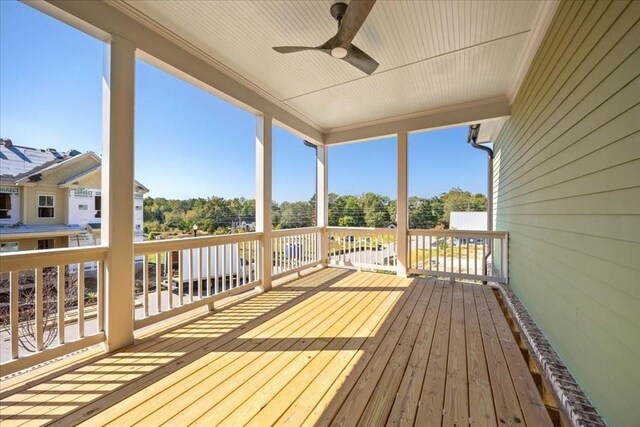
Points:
(475, 255)
(51, 304)
(362, 248)
(178, 275)
(294, 250)
(38, 322)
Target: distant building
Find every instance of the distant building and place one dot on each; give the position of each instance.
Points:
(468, 221)
(50, 199)
(476, 221)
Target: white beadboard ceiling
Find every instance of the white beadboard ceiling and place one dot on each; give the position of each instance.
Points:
(432, 54)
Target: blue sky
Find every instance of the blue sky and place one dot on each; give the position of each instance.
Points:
(188, 142)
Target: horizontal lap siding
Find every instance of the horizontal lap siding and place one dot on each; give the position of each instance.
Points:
(567, 188)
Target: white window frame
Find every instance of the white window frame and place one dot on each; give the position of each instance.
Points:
(53, 197)
(83, 207)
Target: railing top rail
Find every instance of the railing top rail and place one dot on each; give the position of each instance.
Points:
(156, 246)
(363, 230)
(457, 233)
(24, 260)
(295, 231)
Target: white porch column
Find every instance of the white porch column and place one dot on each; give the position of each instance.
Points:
(263, 195)
(117, 190)
(401, 207)
(322, 200)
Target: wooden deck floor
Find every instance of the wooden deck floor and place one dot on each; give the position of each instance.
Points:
(334, 347)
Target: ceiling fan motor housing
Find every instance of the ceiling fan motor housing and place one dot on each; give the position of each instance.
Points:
(338, 10)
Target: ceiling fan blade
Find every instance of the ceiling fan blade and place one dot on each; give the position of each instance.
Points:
(360, 60)
(354, 17)
(293, 49)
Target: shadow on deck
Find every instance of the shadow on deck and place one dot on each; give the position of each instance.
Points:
(333, 347)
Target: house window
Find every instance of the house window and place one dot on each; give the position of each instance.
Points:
(46, 205)
(83, 207)
(5, 205)
(8, 247)
(138, 227)
(98, 206)
(138, 207)
(46, 244)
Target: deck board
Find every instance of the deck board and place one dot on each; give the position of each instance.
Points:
(330, 348)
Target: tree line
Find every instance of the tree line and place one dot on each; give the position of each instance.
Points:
(216, 215)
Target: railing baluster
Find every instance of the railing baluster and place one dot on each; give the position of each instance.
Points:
(206, 263)
(158, 284)
(467, 245)
(170, 279)
(200, 273)
(459, 257)
(39, 311)
(484, 252)
(224, 267)
(14, 290)
(61, 295)
(445, 254)
(191, 287)
(279, 254)
(180, 278)
(430, 254)
(244, 263)
(437, 254)
(216, 271)
(288, 249)
(258, 260)
(302, 255)
(100, 302)
(252, 257)
(81, 300)
(145, 285)
(314, 246)
(275, 247)
(238, 267)
(475, 256)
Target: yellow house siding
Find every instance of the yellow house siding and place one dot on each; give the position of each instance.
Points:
(567, 188)
(31, 244)
(30, 204)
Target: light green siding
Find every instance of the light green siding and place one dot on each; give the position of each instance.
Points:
(567, 188)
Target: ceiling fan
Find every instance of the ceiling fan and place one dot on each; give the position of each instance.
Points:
(350, 18)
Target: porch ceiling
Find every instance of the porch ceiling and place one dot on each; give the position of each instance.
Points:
(432, 55)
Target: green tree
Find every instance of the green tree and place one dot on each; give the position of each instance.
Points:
(346, 221)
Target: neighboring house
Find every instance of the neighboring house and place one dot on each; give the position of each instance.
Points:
(50, 199)
(468, 221)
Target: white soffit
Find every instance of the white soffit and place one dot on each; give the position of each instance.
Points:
(432, 55)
